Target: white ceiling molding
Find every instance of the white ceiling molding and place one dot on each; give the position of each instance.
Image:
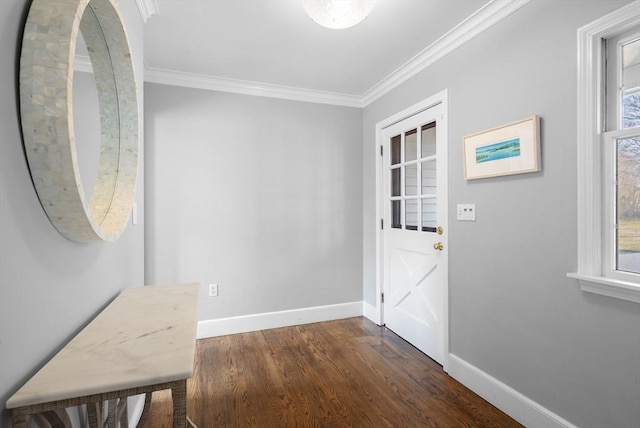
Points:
(147, 8)
(199, 81)
(489, 15)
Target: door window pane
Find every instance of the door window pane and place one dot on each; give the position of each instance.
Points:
(628, 205)
(395, 150)
(411, 145)
(428, 178)
(396, 217)
(429, 211)
(411, 214)
(411, 180)
(395, 182)
(428, 140)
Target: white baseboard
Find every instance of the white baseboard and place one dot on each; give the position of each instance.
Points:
(242, 324)
(371, 312)
(522, 409)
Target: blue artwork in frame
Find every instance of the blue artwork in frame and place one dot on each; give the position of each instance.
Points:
(508, 149)
(496, 151)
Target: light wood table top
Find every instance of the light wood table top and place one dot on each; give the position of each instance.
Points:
(145, 336)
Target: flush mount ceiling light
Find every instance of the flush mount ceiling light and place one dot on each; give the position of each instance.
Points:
(338, 14)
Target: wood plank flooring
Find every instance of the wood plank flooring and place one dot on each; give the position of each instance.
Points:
(344, 373)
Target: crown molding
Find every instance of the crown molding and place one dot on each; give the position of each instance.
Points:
(147, 8)
(199, 81)
(487, 16)
(483, 19)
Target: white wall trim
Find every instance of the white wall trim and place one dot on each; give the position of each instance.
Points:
(609, 287)
(489, 15)
(519, 407)
(588, 102)
(268, 320)
(199, 81)
(589, 155)
(371, 313)
(147, 8)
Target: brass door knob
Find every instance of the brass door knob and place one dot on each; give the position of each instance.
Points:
(438, 246)
(440, 230)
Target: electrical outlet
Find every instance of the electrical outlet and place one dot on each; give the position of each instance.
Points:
(466, 212)
(213, 290)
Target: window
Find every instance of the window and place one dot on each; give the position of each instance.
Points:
(609, 155)
(621, 157)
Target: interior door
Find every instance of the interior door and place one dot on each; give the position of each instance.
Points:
(414, 230)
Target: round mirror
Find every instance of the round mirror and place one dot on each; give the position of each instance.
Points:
(46, 106)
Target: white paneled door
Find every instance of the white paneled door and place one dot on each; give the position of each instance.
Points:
(414, 230)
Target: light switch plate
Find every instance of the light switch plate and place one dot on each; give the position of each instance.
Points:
(466, 212)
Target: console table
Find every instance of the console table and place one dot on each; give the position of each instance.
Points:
(144, 341)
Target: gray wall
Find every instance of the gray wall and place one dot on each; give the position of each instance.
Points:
(513, 312)
(262, 196)
(49, 287)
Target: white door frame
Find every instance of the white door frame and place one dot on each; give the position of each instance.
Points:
(439, 98)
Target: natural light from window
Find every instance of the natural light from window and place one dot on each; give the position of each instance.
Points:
(628, 205)
(627, 151)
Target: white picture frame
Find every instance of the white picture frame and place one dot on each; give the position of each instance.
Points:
(508, 149)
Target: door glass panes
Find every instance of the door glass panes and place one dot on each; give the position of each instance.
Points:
(396, 182)
(630, 84)
(411, 145)
(396, 150)
(411, 214)
(412, 175)
(411, 180)
(628, 205)
(429, 211)
(396, 216)
(428, 177)
(428, 140)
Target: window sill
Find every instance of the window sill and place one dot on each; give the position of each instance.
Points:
(615, 288)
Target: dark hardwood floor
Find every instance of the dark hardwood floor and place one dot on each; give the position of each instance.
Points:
(345, 373)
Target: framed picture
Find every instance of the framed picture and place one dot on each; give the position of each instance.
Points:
(513, 148)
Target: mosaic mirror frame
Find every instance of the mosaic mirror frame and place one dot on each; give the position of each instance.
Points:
(46, 108)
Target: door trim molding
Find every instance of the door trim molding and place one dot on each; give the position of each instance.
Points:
(376, 311)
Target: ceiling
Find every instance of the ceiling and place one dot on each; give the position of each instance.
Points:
(275, 42)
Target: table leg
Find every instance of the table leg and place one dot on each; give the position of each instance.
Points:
(21, 421)
(145, 410)
(121, 414)
(94, 412)
(58, 418)
(179, 396)
(111, 412)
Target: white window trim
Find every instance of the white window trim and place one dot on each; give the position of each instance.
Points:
(590, 198)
